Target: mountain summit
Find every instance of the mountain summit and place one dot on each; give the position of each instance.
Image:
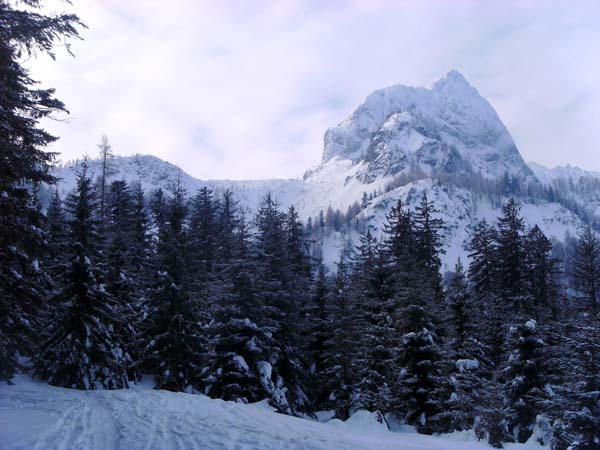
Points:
(449, 127)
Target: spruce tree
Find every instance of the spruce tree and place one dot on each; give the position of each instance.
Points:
(489, 307)
(375, 322)
(511, 257)
(586, 268)
(428, 236)
(203, 233)
(172, 339)
(525, 376)
(24, 32)
(241, 343)
(281, 308)
(140, 237)
(315, 333)
(469, 366)
(340, 345)
(421, 384)
(119, 220)
(540, 276)
(400, 248)
(483, 272)
(84, 351)
(56, 235)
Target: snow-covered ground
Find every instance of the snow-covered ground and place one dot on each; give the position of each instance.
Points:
(37, 416)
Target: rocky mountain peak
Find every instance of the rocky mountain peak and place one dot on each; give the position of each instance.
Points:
(449, 127)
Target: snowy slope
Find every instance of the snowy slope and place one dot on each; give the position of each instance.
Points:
(41, 417)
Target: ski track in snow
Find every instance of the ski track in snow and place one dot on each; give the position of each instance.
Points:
(40, 417)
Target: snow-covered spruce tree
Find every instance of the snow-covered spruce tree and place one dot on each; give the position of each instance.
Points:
(277, 293)
(299, 287)
(140, 238)
(23, 164)
(340, 345)
(56, 238)
(238, 366)
(483, 272)
(172, 340)
(469, 367)
(428, 231)
(540, 275)
(489, 307)
(203, 234)
(121, 249)
(83, 351)
(525, 386)
(586, 269)
(511, 259)
(375, 362)
(422, 384)
(316, 317)
(228, 227)
(400, 247)
(119, 221)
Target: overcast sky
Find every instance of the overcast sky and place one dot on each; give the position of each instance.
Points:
(246, 89)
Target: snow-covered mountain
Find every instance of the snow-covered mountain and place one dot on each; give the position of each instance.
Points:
(546, 175)
(401, 141)
(574, 185)
(448, 127)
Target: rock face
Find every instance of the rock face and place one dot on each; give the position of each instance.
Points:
(401, 142)
(449, 127)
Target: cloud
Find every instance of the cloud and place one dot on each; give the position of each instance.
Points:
(246, 89)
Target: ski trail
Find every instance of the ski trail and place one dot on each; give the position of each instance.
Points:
(87, 424)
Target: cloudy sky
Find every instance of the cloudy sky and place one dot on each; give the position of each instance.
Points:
(246, 89)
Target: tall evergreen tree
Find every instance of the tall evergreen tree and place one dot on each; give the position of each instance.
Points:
(315, 333)
(83, 351)
(172, 339)
(421, 378)
(525, 377)
(469, 366)
(282, 310)
(540, 276)
(203, 232)
(428, 236)
(119, 218)
(340, 345)
(511, 258)
(56, 226)
(140, 238)
(24, 163)
(586, 268)
(375, 364)
(483, 266)
(241, 342)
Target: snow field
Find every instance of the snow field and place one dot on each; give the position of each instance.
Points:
(37, 416)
